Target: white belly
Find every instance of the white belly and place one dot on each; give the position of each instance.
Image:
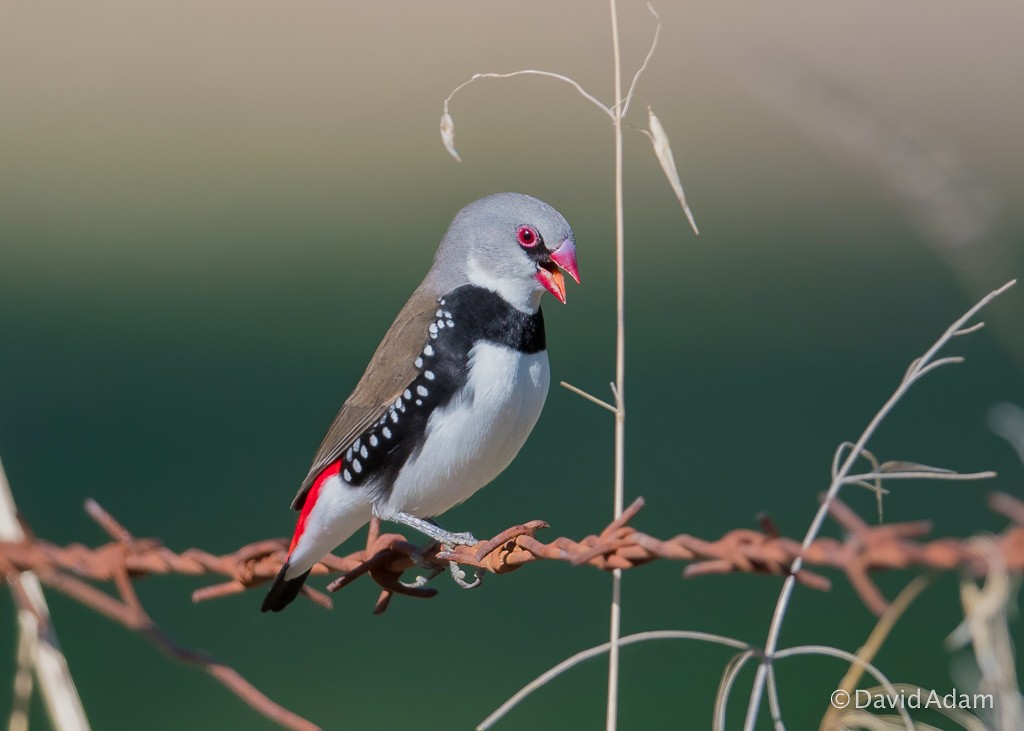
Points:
(472, 439)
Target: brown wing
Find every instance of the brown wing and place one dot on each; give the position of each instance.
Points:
(392, 368)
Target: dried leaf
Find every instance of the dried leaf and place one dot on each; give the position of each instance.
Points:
(448, 134)
(900, 466)
(663, 151)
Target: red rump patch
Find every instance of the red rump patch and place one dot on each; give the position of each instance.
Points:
(307, 507)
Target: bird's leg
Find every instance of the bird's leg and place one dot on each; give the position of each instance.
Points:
(433, 530)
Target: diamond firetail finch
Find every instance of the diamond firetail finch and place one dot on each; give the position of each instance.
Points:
(452, 391)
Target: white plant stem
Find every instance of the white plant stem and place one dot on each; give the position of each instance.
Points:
(36, 630)
(615, 620)
(616, 112)
(548, 675)
(890, 689)
(918, 368)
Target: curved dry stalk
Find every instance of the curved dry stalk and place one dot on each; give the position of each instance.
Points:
(571, 662)
(921, 475)
(643, 67)
(729, 675)
(874, 642)
(849, 656)
(918, 368)
(773, 700)
(534, 72)
(448, 124)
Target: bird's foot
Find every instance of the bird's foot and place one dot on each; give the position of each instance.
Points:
(459, 576)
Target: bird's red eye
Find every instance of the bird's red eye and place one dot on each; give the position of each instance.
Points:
(527, 236)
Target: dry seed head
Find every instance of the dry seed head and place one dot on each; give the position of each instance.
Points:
(448, 133)
(663, 151)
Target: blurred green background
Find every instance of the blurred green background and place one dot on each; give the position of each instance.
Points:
(210, 212)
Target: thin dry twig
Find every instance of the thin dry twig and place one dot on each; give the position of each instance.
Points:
(589, 397)
(643, 67)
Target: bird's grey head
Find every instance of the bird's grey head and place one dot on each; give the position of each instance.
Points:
(510, 243)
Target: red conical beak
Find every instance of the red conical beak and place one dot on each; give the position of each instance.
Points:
(565, 257)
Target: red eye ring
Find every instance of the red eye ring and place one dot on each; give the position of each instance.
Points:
(527, 236)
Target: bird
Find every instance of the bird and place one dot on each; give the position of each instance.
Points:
(451, 393)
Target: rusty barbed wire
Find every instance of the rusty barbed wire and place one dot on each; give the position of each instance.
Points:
(386, 558)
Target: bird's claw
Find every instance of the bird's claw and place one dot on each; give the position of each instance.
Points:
(459, 576)
(421, 581)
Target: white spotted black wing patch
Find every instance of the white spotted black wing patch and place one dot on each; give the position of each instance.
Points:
(463, 317)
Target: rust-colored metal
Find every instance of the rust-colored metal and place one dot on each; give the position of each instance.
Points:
(388, 557)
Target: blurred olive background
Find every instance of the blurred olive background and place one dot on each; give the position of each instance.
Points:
(210, 212)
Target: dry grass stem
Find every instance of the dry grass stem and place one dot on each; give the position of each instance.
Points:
(22, 700)
(37, 635)
(571, 662)
(870, 649)
(729, 675)
(643, 67)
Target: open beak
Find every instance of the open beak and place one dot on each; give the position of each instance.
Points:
(549, 272)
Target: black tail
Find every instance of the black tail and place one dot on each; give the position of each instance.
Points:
(283, 591)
